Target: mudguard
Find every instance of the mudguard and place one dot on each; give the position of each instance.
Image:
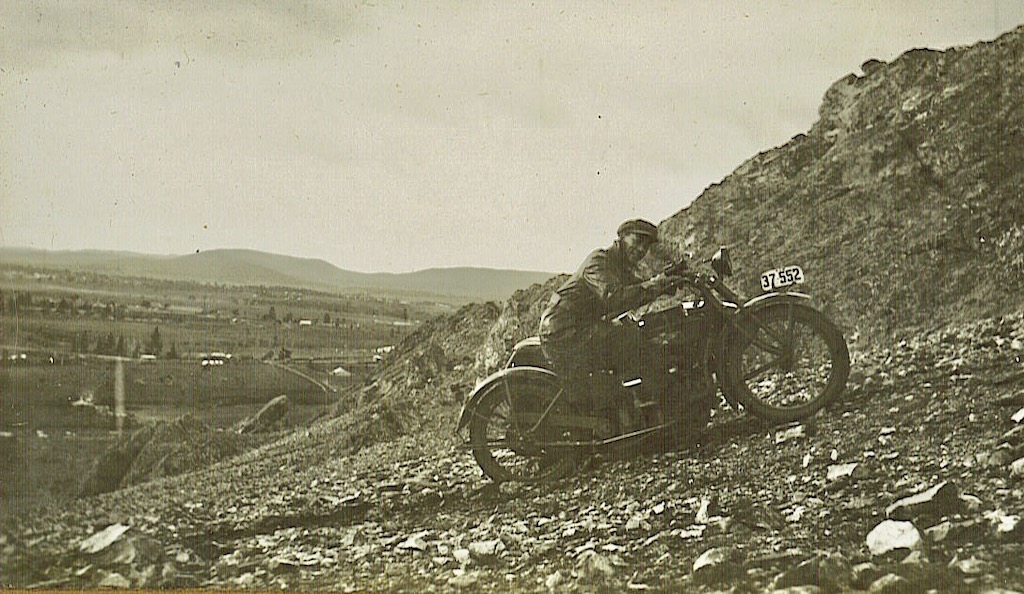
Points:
(752, 305)
(774, 297)
(488, 383)
(528, 353)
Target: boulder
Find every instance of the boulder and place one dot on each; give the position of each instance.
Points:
(103, 539)
(714, 565)
(890, 582)
(486, 551)
(593, 567)
(941, 500)
(1017, 469)
(830, 573)
(463, 580)
(1014, 436)
(891, 535)
(864, 574)
(267, 417)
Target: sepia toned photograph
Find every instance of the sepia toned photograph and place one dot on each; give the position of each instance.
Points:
(538, 297)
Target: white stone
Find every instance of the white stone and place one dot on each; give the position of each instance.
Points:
(791, 433)
(486, 548)
(1003, 523)
(114, 580)
(838, 471)
(891, 535)
(102, 539)
(1017, 468)
(554, 580)
(709, 559)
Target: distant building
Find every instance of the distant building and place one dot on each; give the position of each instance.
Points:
(216, 358)
(380, 352)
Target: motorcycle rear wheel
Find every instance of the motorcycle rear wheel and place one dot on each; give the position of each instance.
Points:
(508, 427)
(787, 363)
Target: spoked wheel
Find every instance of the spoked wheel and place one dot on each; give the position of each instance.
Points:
(787, 363)
(515, 417)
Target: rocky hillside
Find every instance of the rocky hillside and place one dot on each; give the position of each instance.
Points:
(904, 202)
(914, 482)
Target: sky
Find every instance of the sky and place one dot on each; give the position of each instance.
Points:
(390, 137)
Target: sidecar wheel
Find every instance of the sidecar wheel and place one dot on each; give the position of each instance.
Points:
(787, 364)
(504, 435)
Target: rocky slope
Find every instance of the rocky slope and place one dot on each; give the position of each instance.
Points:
(904, 202)
(914, 481)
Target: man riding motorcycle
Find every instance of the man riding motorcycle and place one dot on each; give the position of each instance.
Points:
(576, 330)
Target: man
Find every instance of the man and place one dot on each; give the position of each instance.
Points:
(576, 332)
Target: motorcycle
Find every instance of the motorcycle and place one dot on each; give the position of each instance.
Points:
(774, 356)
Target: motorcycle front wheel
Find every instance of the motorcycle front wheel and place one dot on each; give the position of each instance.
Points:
(786, 362)
(513, 420)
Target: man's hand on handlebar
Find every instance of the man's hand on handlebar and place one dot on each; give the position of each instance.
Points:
(663, 283)
(676, 268)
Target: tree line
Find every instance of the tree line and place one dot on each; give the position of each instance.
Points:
(107, 344)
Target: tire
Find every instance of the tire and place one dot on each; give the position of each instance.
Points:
(787, 363)
(502, 438)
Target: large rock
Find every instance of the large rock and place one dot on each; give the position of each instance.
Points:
(941, 500)
(891, 535)
(163, 449)
(135, 559)
(831, 573)
(715, 565)
(592, 567)
(1017, 469)
(267, 417)
(486, 551)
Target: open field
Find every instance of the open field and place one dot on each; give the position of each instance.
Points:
(73, 311)
(42, 396)
(63, 333)
(59, 415)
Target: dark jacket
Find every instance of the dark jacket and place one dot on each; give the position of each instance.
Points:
(603, 287)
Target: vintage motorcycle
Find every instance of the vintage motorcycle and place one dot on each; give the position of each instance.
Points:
(775, 356)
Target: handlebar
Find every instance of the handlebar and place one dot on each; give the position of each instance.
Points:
(676, 268)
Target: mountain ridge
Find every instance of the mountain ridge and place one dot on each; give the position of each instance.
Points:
(254, 267)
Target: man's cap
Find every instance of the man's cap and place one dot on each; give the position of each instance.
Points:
(640, 227)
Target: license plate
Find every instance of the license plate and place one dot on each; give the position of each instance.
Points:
(782, 277)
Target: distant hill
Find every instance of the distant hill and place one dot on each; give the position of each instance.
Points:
(251, 267)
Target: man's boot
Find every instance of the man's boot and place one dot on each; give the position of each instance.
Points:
(617, 401)
(627, 417)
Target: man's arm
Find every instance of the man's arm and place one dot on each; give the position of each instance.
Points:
(617, 296)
